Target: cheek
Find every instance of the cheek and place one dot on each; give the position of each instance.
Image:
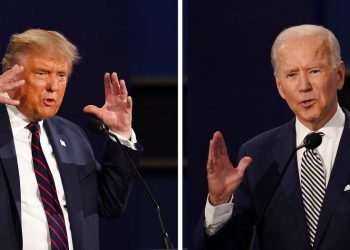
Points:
(61, 92)
(18, 93)
(282, 92)
(288, 94)
(328, 92)
(27, 100)
(287, 89)
(329, 97)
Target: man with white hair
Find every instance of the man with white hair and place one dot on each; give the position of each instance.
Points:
(308, 205)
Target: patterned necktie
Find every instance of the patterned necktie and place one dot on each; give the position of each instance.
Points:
(313, 186)
(48, 194)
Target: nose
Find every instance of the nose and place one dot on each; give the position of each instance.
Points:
(52, 84)
(304, 83)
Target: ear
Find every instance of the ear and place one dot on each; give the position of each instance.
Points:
(340, 75)
(279, 86)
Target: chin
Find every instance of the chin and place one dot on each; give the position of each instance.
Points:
(47, 115)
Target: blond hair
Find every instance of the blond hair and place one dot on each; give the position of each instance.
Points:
(34, 39)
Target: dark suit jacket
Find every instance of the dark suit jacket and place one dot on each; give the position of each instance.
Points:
(91, 190)
(283, 226)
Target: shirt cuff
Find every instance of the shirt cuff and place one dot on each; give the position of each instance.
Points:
(217, 216)
(130, 143)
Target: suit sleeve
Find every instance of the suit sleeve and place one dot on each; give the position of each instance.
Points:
(115, 179)
(236, 233)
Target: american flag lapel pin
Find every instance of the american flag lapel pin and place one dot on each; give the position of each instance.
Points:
(63, 143)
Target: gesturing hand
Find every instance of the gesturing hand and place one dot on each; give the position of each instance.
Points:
(10, 80)
(116, 112)
(223, 178)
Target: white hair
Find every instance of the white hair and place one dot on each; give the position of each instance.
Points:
(302, 31)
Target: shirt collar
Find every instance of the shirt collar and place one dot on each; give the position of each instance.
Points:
(332, 129)
(17, 119)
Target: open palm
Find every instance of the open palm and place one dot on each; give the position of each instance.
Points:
(116, 112)
(223, 178)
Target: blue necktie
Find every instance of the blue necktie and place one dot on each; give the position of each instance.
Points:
(48, 194)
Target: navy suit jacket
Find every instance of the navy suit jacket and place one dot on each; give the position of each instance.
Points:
(91, 189)
(283, 226)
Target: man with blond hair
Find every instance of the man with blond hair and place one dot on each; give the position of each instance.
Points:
(310, 207)
(52, 189)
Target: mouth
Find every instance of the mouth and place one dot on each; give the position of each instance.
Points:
(49, 101)
(307, 103)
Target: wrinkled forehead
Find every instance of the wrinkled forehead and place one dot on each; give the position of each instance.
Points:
(304, 42)
(303, 48)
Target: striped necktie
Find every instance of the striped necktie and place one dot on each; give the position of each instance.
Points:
(313, 186)
(48, 194)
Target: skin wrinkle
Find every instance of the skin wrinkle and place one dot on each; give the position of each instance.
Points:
(308, 81)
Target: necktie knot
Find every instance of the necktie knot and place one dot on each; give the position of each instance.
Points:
(33, 127)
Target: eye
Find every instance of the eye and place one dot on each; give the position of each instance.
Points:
(291, 74)
(314, 71)
(41, 74)
(62, 75)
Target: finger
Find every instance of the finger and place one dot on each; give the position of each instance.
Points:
(9, 101)
(107, 83)
(115, 84)
(92, 109)
(123, 89)
(219, 146)
(10, 86)
(222, 149)
(215, 164)
(210, 169)
(210, 159)
(243, 164)
(16, 69)
(10, 74)
(210, 150)
(12, 70)
(129, 103)
(213, 148)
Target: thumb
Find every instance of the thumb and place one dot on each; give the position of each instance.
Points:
(91, 109)
(129, 102)
(244, 163)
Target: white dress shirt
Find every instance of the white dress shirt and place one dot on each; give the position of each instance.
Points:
(330, 141)
(35, 231)
(216, 217)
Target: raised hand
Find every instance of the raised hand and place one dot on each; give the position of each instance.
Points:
(223, 178)
(116, 112)
(10, 80)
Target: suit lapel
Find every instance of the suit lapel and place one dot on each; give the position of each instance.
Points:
(8, 157)
(69, 175)
(338, 180)
(290, 185)
(70, 179)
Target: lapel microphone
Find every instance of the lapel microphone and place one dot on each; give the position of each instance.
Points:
(98, 127)
(311, 141)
